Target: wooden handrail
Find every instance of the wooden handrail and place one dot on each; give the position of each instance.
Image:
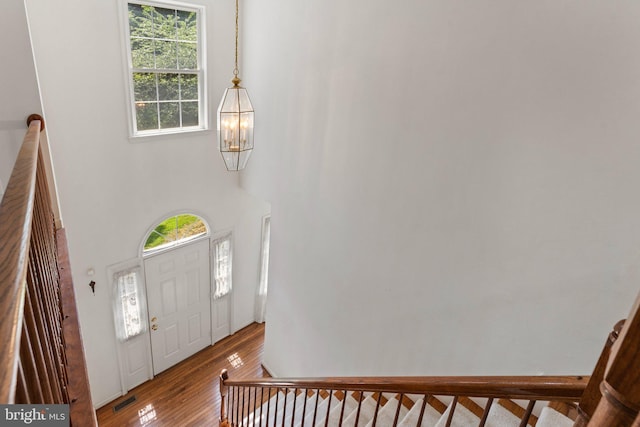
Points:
(561, 388)
(16, 212)
(41, 353)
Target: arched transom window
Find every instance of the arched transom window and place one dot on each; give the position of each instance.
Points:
(175, 231)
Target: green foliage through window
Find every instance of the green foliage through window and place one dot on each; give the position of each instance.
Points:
(173, 230)
(165, 71)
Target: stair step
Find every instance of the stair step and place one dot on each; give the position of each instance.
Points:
(499, 416)
(462, 417)
(429, 418)
(364, 415)
(502, 413)
(569, 410)
(313, 401)
(269, 409)
(518, 410)
(549, 417)
(323, 407)
(472, 406)
(387, 414)
(285, 406)
(437, 404)
(341, 410)
(300, 409)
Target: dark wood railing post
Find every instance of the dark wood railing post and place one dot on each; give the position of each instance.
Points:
(620, 388)
(592, 395)
(224, 375)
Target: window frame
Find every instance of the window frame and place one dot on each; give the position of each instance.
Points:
(200, 71)
(176, 243)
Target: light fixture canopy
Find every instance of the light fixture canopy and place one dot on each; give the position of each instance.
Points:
(235, 121)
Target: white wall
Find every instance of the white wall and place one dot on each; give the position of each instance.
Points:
(111, 189)
(18, 84)
(453, 184)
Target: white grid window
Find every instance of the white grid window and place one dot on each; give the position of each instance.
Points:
(166, 75)
(222, 266)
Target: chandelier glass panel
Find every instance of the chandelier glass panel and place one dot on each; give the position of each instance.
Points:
(235, 121)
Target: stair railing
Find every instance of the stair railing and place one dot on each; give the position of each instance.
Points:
(242, 399)
(41, 354)
(609, 397)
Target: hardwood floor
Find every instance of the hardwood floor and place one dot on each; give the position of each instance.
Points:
(188, 394)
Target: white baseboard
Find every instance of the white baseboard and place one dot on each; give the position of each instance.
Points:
(107, 400)
(269, 370)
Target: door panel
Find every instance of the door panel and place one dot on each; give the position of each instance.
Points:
(135, 359)
(221, 318)
(178, 289)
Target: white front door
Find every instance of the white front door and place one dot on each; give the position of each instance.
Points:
(178, 288)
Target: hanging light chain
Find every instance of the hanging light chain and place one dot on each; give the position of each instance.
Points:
(235, 70)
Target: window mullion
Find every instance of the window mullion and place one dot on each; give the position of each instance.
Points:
(157, 99)
(178, 68)
(165, 70)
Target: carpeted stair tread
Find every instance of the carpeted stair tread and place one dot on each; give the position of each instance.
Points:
(518, 409)
(549, 417)
(462, 417)
(367, 409)
(502, 413)
(472, 406)
(387, 413)
(499, 416)
(334, 416)
(322, 410)
(437, 404)
(300, 402)
(429, 418)
(268, 409)
(569, 410)
(282, 410)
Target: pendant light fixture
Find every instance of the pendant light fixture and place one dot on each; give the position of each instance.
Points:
(235, 121)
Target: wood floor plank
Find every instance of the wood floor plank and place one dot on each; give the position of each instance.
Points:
(188, 394)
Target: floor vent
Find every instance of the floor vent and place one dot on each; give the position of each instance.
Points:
(124, 403)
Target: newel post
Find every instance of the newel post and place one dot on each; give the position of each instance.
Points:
(620, 402)
(591, 396)
(223, 398)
